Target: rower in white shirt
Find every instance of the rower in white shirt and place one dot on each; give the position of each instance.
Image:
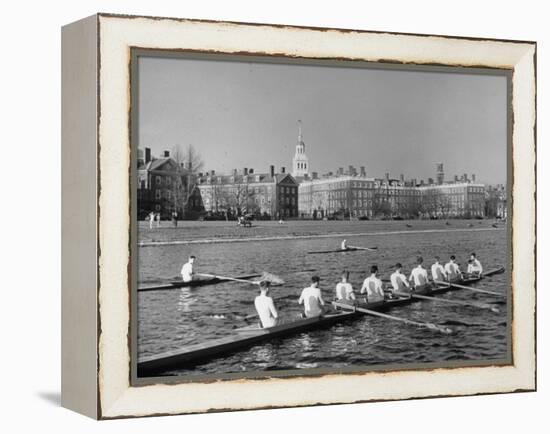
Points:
(474, 266)
(344, 245)
(344, 290)
(452, 269)
(419, 275)
(312, 299)
(372, 286)
(438, 271)
(399, 280)
(187, 273)
(265, 306)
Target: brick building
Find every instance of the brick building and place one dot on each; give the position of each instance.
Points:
(271, 195)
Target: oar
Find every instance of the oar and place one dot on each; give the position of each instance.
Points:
(372, 249)
(427, 325)
(456, 285)
(444, 300)
(274, 279)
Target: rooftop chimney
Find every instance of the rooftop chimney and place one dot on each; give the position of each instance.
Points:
(166, 154)
(283, 170)
(350, 169)
(250, 171)
(473, 177)
(430, 181)
(245, 171)
(387, 176)
(363, 171)
(456, 178)
(314, 175)
(272, 171)
(212, 172)
(147, 155)
(402, 178)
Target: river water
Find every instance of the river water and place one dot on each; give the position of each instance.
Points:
(168, 320)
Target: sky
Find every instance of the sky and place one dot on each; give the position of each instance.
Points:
(245, 114)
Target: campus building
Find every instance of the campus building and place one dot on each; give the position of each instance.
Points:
(164, 186)
(352, 193)
(271, 195)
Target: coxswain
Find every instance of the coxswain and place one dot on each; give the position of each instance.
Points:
(344, 290)
(452, 269)
(474, 266)
(344, 245)
(399, 280)
(187, 273)
(265, 306)
(372, 286)
(438, 271)
(312, 299)
(419, 275)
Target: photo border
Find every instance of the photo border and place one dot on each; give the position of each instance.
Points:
(137, 52)
(117, 36)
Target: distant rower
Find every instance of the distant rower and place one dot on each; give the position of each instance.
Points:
(265, 306)
(372, 286)
(312, 299)
(474, 266)
(344, 290)
(438, 271)
(344, 245)
(187, 270)
(452, 269)
(419, 275)
(399, 280)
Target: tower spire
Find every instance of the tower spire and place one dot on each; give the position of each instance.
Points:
(300, 131)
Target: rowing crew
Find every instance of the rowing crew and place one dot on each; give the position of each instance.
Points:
(373, 287)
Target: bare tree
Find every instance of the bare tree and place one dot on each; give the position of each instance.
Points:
(189, 164)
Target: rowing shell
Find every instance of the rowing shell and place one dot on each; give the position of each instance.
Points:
(349, 249)
(193, 283)
(249, 336)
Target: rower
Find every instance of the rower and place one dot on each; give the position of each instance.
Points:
(312, 299)
(265, 306)
(399, 280)
(372, 286)
(438, 271)
(452, 269)
(344, 290)
(419, 275)
(344, 246)
(474, 266)
(187, 273)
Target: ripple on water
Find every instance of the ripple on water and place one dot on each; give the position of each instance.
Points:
(168, 320)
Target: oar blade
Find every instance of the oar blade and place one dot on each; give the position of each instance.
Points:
(272, 278)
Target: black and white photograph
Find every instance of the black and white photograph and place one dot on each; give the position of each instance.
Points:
(302, 217)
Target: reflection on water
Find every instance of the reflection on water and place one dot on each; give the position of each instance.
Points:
(168, 320)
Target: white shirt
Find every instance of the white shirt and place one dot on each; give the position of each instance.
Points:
(399, 281)
(419, 275)
(313, 300)
(438, 272)
(344, 291)
(452, 269)
(266, 310)
(187, 272)
(475, 267)
(343, 246)
(373, 287)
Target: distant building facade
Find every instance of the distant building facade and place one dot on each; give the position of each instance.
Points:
(354, 194)
(496, 201)
(273, 195)
(164, 186)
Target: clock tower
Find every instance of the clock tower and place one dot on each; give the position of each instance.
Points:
(300, 162)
